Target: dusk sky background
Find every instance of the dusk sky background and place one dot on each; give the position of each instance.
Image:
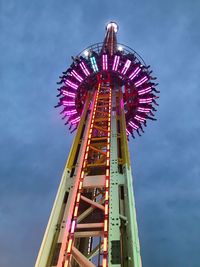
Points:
(37, 40)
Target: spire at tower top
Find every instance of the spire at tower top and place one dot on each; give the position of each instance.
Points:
(110, 40)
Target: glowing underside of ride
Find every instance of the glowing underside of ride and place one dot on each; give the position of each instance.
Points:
(124, 68)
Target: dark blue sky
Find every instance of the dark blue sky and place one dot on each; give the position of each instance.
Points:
(37, 39)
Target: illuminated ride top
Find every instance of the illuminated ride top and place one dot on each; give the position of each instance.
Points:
(126, 68)
(107, 94)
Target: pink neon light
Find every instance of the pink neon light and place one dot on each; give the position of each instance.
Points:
(133, 125)
(73, 226)
(84, 69)
(68, 103)
(145, 90)
(76, 76)
(74, 121)
(115, 63)
(139, 118)
(140, 82)
(68, 93)
(134, 73)
(127, 132)
(70, 112)
(146, 110)
(105, 62)
(71, 84)
(145, 100)
(126, 67)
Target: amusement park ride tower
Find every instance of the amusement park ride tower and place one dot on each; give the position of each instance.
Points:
(107, 95)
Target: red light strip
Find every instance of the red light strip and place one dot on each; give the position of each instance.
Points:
(80, 185)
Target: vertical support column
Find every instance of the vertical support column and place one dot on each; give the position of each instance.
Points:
(114, 220)
(107, 183)
(131, 234)
(69, 237)
(49, 243)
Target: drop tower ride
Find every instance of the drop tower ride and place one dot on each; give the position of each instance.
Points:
(107, 95)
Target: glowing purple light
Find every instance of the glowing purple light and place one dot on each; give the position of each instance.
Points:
(105, 62)
(145, 90)
(68, 103)
(145, 100)
(64, 92)
(134, 73)
(71, 84)
(127, 132)
(74, 121)
(146, 110)
(115, 63)
(139, 118)
(133, 125)
(76, 76)
(70, 112)
(140, 82)
(126, 67)
(84, 69)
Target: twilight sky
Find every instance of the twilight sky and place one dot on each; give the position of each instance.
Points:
(37, 40)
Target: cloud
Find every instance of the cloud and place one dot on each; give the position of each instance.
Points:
(37, 41)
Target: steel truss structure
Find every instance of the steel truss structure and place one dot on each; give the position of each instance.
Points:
(93, 220)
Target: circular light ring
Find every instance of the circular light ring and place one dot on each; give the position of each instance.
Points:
(139, 98)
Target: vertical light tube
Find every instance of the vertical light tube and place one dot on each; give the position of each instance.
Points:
(84, 69)
(115, 63)
(104, 62)
(94, 64)
(76, 76)
(80, 184)
(126, 67)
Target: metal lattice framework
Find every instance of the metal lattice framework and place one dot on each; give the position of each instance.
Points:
(106, 94)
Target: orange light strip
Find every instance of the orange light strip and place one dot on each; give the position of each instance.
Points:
(66, 260)
(66, 263)
(104, 262)
(69, 246)
(105, 244)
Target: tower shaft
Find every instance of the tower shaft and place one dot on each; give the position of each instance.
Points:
(93, 220)
(110, 40)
